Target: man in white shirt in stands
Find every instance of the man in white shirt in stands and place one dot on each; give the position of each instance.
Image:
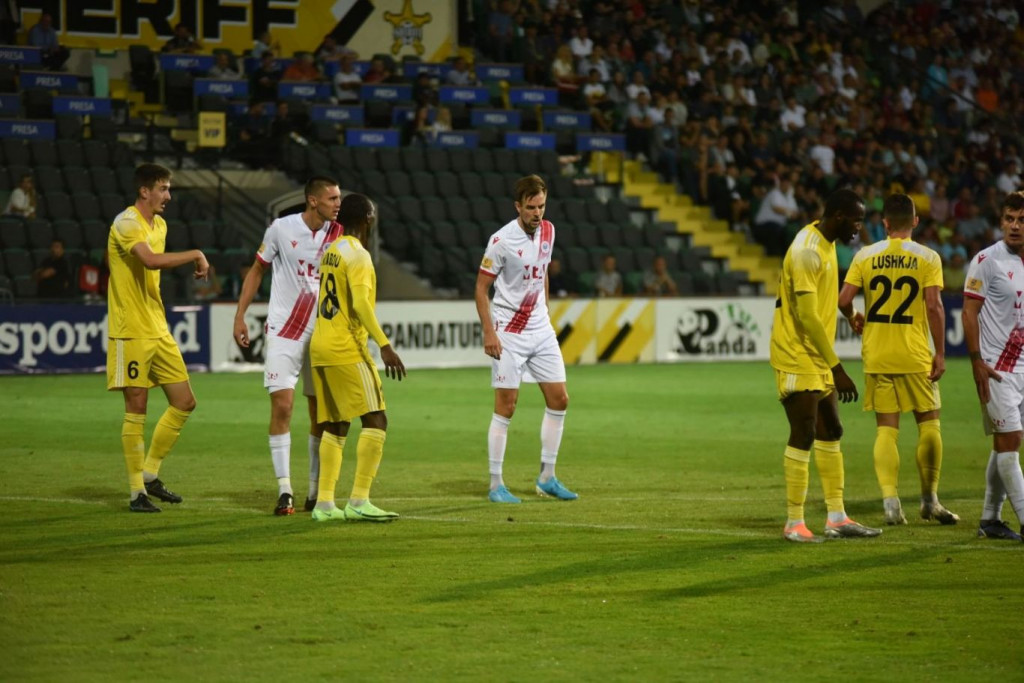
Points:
(778, 209)
(346, 81)
(292, 246)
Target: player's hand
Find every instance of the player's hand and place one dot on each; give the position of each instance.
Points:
(857, 322)
(492, 347)
(393, 366)
(982, 374)
(845, 387)
(241, 333)
(202, 266)
(938, 368)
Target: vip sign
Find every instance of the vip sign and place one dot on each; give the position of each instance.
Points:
(363, 25)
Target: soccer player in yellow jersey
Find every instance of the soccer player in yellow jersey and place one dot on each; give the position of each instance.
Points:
(344, 375)
(141, 352)
(902, 283)
(808, 373)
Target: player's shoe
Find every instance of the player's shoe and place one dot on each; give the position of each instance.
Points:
(894, 514)
(368, 512)
(502, 495)
(142, 503)
(940, 514)
(554, 489)
(157, 489)
(850, 529)
(997, 528)
(334, 514)
(310, 504)
(285, 505)
(799, 533)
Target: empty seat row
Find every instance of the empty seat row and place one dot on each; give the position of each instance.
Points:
(74, 152)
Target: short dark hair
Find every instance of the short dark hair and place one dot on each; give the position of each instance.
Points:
(530, 186)
(1014, 201)
(148, 175)
(899, 210)
(355, 210)
(317, 184)
(844, 201)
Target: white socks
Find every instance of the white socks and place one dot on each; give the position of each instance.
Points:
(280, 453)
(995, 494)
(497, 437)
(314, 465)
(1008, 465)
(550, 439)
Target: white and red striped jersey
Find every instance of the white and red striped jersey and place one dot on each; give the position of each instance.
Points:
(996, 276)
(294, 251)
(519, 262)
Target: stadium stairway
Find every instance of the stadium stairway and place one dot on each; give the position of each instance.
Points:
(691, 220)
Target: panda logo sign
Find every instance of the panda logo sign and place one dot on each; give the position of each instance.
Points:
(727, 332)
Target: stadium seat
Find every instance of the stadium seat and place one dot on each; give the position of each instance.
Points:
(431, 263)
(389, 159)
(55, 205)
(526, 162)
(37, 103)
(40, 233)
(374, 183)
(212, 102)
(625, 259)
(467, 233)
(684, 283)
(177, 91)
(95, 233)
(104, 182)
(494, 185)
(44, 153)
(454, 265)
(482, 209)
(460, 159)
(126, 181)
(69, 127)
(447, 185)
(437, 160)
(548, 165)
(77, 179)
(458, 209)
(470, 184)
(96, 153)
(505, 161)
(203, 233)
(727, 284)
(399, 184)
(17, 262)
(631, 235)
(87, 206)
(703, 284)
(8, 78)
(48, 180)
(414, 159)
(16, 152)
(104, 129)
(377, 114)
(483, 161)
(143, 67)
(443, 234)
(423, 184)
(577, 260)
(433, 209)
(585, 280)
(365, 159)
(654, 236)
(24, 287)
(619, 212)
(318, 162)
(69, 153)
(687, 260)
(71, 233)
(178, 238)
(341, 158)
(12, 233)
(632, 282)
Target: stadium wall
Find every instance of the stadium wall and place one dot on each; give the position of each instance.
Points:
(73, 338)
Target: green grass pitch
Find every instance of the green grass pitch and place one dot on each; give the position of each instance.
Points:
(670, 566)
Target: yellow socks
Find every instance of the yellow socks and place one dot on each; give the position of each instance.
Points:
(887, 460)
(829, 460)
(164, 437)
(929, 456)
(369, 451)
(331, 448)
(134, 448)
(796, 465)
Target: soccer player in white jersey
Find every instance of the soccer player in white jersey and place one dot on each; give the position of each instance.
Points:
(519, 337)
(292, 246)
(993, 320)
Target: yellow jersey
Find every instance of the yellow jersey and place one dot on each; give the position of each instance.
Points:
(134, 307)
(893, 274)
(809, 266)
(339, 338)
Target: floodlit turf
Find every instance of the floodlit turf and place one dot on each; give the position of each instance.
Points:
(670, 566)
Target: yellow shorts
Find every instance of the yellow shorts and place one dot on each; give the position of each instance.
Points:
(789, 383)
(901, 393)
(345, 392)
(144, 363)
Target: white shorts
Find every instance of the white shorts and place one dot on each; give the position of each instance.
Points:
(286, 360)
(1004, 411)
(535, 357)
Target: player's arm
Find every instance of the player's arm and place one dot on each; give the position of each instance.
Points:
(936, 313)
(972, 337)
(250, 285)
(807, 314)
(172, 259)
(855, 317)
(363, 308)
(492, 346)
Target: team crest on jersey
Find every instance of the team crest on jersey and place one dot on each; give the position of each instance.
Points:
(973, 285)
(545, 247)
(486, 263)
